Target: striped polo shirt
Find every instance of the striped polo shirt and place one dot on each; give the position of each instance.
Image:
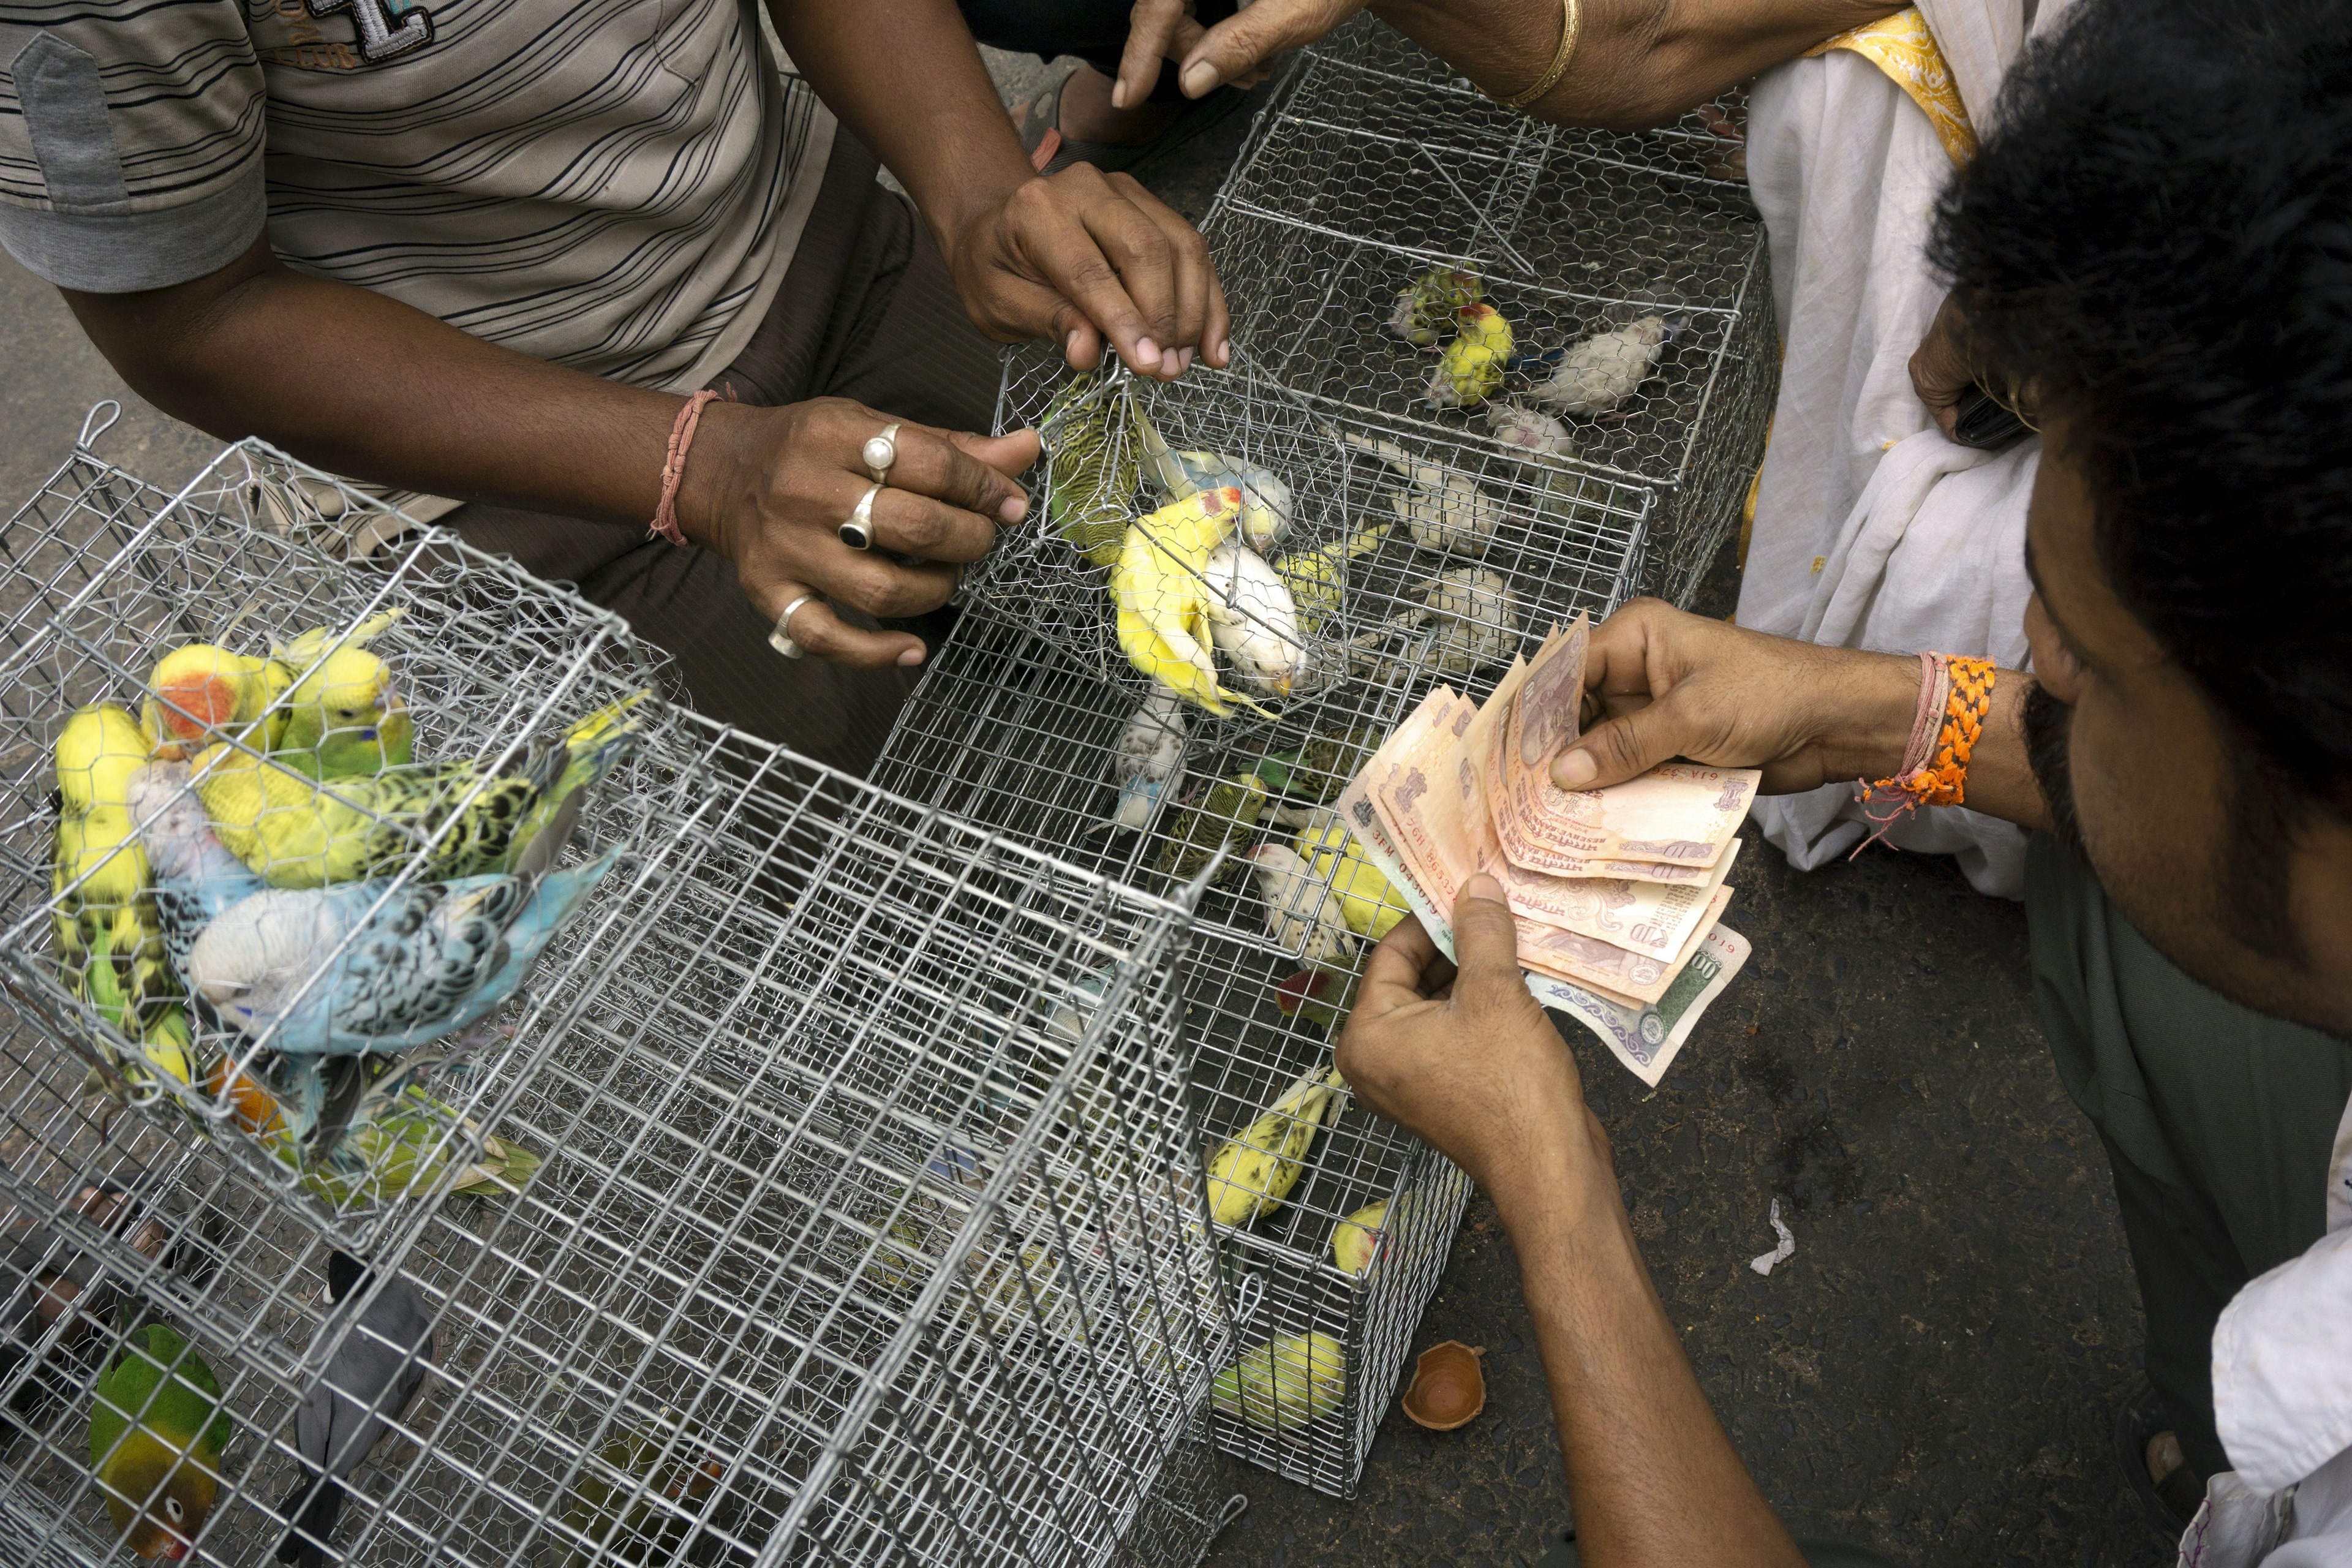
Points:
(611, 185)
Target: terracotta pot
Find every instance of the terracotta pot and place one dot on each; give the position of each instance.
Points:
(1448, 1390)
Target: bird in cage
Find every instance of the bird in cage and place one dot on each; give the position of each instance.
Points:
(54, 1295)
(1144, 759)
(378, 1370)
(1317, 578)
(1472, 366)
(343, 716)
(637, 1499)
(1253, 621)
(1597, 374)
(1284, 1384)
(1529, 429)
(1468, 619)
(1355, 1238)
(1093, 467)
(158, 1422)
(1316, 772)
(199, 694)
(1162, 594)
(1366, 902)
(1433, 301)
(1250, 1175)
(1302, 914)
(1267, 501)
(298, 834)
(1322, 994)
(109, 937)
(1443, 510)
(1227, 814)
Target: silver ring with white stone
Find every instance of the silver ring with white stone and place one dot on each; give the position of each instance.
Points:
(859, 531)
(781, 639)
(881, 451)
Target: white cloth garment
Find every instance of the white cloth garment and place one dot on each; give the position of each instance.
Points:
(1872, 530)
(2282, 1401)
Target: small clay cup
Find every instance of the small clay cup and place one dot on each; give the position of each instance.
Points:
(1448, 1390)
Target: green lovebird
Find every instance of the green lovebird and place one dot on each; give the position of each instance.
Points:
(157, 1427)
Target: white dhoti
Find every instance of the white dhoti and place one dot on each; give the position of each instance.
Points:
(1872, 530)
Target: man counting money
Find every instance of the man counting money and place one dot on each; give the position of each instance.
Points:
(2153, 245)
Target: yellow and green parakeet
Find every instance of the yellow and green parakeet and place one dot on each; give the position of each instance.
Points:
(1318, 577)
(295, 834)
(342, 716)
(1162, 594)
(1228, 813)
(639, 1499)
(1285, 1384)
(1474, 362)
(1093, 465)
(110, 944)
(1354, 1239)
(158, 1423)
(1250, 1174)
(1431, 301)
(1371, 908)
(200, 694)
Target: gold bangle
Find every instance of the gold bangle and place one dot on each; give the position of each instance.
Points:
(1571, 24)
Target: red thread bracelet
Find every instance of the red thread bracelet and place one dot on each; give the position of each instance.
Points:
(681, 437)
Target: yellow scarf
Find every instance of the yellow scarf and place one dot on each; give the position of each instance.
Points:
(1903, 47)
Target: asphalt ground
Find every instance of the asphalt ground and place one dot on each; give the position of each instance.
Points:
(1934, 1371)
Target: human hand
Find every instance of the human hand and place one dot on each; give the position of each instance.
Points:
(1940, 369)
(1669, 684)
(1236, 52)
(1466, 1059)
(770, 487)
(1086, 257)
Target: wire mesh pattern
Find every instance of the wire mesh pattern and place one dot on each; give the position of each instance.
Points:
(861, 1226)
(1008, 733)
(106, 578)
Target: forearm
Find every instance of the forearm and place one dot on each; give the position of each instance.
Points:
(1637, 63)
(956, 153)
(1651, 1478)
(361, 384)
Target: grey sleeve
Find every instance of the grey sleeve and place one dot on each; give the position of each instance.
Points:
(131, 150)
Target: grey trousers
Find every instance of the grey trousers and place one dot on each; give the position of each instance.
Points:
(868, 311)
(2217, 1120)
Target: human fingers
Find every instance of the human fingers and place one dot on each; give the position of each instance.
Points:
(1397, 971)
(819, 633)
(1485, 939)
(1941, 374)
(1012, 454)
(1246, 40)
(1627, 746)
(1200, 320)
(1078, 242)
(1151, 36)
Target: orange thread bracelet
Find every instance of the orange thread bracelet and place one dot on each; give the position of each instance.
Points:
(1936, 762)
(681, 437)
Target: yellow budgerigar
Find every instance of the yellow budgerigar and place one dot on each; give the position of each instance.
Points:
(109, 944)
(296, 834)
(343, 716)
(202, 693)
(1474, 362)
(1366, 902)
(1318, 577)
(1250, 1174)
(1163, 597)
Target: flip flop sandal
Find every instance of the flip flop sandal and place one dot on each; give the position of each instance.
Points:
(1050, 152)
(2172, 1504)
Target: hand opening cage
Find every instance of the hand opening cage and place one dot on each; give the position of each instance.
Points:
(1008, 733)
(851, 1216)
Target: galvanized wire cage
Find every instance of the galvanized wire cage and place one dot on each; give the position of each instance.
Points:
(859, 1224)
(1007, 733)
(106, 577)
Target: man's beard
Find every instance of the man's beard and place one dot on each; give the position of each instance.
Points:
(2047, 723)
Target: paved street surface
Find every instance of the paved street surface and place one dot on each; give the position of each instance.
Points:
(1932, 1374)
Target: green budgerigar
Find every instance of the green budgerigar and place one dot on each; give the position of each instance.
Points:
(1093, 466)
(1284, 1384)
(636, 1502)
(296, 834)
(343, 716)
(1250, 1177)
(1220, 819)
(158, 1422)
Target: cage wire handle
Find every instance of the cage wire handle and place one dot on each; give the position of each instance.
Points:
(93, 425)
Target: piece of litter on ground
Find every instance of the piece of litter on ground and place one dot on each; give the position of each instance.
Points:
(1763, 1261)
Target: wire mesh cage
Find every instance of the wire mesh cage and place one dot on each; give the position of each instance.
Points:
(1632, 328)
(299, 942)
(860, 1225)
(1007, 733)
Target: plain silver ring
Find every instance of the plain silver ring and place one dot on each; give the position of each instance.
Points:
(880, 452)
(781, 639)
(857, 532)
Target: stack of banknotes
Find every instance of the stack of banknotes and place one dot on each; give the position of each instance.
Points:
(1619, 892)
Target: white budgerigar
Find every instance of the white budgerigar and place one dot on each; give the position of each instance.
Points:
(1176, 476)
(1468, 619)
(1444, 509)
(1600, 372)
(1145, 758)
(1302, 914)
(1253, 620)
(1531, 430)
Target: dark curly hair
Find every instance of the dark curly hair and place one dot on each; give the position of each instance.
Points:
(2155, 242)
